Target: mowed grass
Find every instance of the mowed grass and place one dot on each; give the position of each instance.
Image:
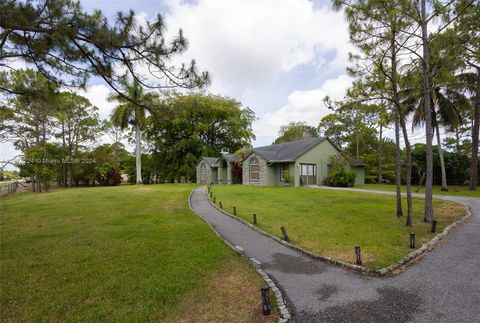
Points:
(453, 190)
(130, 253)
(332, 223)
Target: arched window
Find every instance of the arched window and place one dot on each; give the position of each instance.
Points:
(203, 172)
(254, 169)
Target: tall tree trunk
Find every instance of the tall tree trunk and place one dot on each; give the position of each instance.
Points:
(408, 175)
(70, 176)
(44, 144)
(475, 134)
(380, 178)
(64, 166)
(38, 184)
(442, 161)
(457, 141)
(398, 166)
(34, 188)
(37, 145)
(70, 165)
(428, 215)
(358, 146)
(138, 154)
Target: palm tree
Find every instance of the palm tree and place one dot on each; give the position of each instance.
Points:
(128, 114)
(446, 106)
(470, 81)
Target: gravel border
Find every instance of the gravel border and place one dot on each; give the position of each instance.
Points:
(284, 312)
(387, 271)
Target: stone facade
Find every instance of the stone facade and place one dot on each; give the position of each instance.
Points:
(208, 173)
(263, 171)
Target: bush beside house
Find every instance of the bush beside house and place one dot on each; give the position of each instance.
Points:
(342, 177)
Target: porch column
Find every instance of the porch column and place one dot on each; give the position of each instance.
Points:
(220, 175)
(229, 174)
(297, 171)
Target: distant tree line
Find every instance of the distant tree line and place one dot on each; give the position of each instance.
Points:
(408, 71)
(64, 46)
(411, 70)
(58, 133)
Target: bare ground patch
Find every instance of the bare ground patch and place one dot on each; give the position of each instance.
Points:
(450, 210)
(233, 295)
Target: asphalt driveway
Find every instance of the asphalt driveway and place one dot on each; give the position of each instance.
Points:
(444, 286)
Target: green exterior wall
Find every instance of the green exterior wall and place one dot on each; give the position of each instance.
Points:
(319, 156)
(273, 170)
(359, 175)
(274, 174)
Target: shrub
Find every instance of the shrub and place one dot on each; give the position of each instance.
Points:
(287, 178)
(341, 178)
(370, 179)
(388, 176)
(107, 175)
(337, 162)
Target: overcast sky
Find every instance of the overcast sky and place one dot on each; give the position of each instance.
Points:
(278, 57)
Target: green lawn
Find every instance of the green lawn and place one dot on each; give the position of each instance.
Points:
(332, 223)
(452, 189)
(130, 253)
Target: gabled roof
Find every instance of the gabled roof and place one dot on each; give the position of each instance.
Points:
(288, 151)
(230, 158)
(212, 161)
(215, 161)
(285, 152)
(356, 162)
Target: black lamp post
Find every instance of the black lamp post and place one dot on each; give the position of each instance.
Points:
(265, 299)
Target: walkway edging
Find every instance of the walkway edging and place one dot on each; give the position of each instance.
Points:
(426, 247)
(387, 271)
(285, 314)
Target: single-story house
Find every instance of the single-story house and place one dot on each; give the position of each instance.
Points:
(298, 163)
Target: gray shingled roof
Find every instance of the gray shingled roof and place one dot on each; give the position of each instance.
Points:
(288, 151)
(229, 158)
(356, 162)
(285, 152)
(212, 161)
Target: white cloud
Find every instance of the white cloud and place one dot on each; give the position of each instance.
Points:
(13, 64)
(301, 106)
(98, 95)
(7, 152)
(247, 44)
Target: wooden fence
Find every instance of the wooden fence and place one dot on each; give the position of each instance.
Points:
(8, 187)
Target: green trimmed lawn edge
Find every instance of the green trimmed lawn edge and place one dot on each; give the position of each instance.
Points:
(331, 223)
(128, 253)
(453, 190)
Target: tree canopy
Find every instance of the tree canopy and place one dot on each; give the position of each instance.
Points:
(68, 45)
(186, 127)
(295, 131)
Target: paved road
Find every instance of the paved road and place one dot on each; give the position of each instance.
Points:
(443, 287)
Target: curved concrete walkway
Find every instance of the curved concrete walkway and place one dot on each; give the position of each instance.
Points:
(443, 287)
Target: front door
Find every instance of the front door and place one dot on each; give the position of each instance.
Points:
(308, 174)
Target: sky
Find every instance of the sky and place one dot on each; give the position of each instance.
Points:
(278, 57)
